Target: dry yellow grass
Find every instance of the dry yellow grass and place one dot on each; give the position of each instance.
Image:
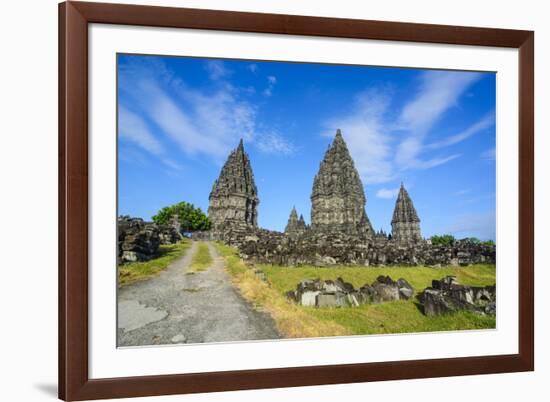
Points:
(291, 320)
(202, 258)
(403, 316)
(139, 271)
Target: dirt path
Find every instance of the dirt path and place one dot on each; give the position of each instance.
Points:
(180, 306)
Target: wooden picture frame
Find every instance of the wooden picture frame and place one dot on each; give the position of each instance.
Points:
(74, 381)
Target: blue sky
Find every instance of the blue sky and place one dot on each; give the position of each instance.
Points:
(178, 118)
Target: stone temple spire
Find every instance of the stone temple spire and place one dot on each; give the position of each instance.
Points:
(292, 221)
(302, 222)
(338, 199)
(295, 225)
(234, 197)
(405, 223)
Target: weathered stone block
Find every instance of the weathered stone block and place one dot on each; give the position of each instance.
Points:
(309, 297)
(137, 240)
(406, 291)
(336, 299)
(448, 296)
(386, 292)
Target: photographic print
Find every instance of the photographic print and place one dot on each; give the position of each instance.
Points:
(262, 200)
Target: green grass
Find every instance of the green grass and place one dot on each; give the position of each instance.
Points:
(286, 278)
(391, 317)
(137, 271)
(403, 316)
(292, 321)
(202, 258)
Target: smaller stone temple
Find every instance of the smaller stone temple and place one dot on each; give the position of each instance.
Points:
(340, 232)
(234, 200)
(338, 198)
(295, 225)
(405, 223)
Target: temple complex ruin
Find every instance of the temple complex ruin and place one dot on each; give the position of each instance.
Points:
(338, 198)
(340, 230)
(295, 226)
(405, 224)
(234, 196)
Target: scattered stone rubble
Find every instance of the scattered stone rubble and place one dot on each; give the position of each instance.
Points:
(326, 249)
(448, 296)
(139, 240)
(443, 297)
(340, 232)
(168, 234)
(339, 293)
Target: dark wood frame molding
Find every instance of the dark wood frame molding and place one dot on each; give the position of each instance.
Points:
(74, 17)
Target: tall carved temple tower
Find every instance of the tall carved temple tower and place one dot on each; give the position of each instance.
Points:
(234, 197)
(295, 225)
(405, 223)
(338, 198)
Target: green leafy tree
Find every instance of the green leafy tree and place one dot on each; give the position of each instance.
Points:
(489, 243)
(190, 218)
(445, 240)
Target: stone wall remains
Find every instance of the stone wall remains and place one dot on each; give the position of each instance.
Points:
(139, 240)
(321, 248)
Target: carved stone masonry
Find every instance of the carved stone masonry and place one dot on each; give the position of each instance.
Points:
(295, 225)
(405, 222)
(340, 232)
(338, 199)
(234, 197)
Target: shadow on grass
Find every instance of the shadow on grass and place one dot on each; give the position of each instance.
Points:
(419, 306)
(161, 252)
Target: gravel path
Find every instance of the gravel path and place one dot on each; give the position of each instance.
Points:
(180, 306)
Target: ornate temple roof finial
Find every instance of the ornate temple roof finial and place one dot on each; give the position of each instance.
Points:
(240, 147)
(295, 225)
(405, 222)
(338, 198)
(235, 183)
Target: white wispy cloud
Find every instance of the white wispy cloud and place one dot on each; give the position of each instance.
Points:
(133, 156)
(489, 154)
(463, 191)
(207, 122)
(435, 161)
(273, 143)
(180, 126)
(368, 140)
(271, 81)
(216, 69)
(249, 90)
(387, 193)
(479, 198)
(134, 129)
(199, 123)
(438, 92)
(172, 164)
(385, 146)
(481, 225)
(485, 122)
